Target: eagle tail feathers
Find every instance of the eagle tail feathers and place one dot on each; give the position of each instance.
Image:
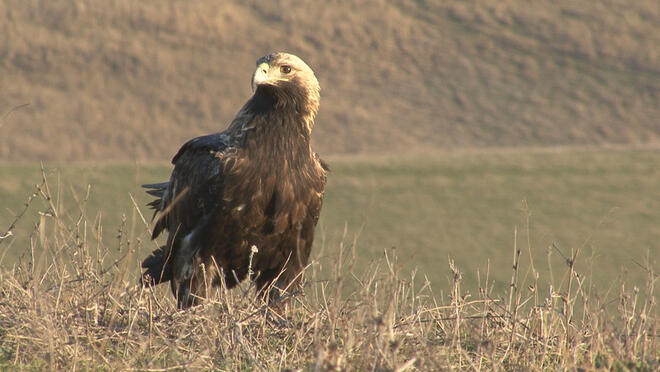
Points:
(158, 190)
(159, 186)
(157, 267)
(155, 204)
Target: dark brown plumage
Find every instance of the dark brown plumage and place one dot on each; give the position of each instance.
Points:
(258, 183)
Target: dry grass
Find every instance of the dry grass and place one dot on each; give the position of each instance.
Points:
(120, 79)
(67, 306)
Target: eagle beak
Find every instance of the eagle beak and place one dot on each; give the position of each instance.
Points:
(260, 75)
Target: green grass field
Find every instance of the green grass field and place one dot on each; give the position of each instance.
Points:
(466, 206)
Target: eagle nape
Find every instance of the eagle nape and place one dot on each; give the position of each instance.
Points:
(256, 183)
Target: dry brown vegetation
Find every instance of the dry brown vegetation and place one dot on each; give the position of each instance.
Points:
(69, 305)
(120, 79)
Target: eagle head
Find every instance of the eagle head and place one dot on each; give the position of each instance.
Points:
(288, 76)
(281, 69)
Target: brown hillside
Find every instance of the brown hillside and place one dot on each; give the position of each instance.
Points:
(120, 79)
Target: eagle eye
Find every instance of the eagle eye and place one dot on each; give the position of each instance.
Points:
(285, 69)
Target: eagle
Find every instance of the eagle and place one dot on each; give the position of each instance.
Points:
(257, 184)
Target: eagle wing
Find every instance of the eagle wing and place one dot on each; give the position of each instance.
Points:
(186, 201)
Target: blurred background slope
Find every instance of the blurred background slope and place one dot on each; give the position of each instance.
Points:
(132, 80)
